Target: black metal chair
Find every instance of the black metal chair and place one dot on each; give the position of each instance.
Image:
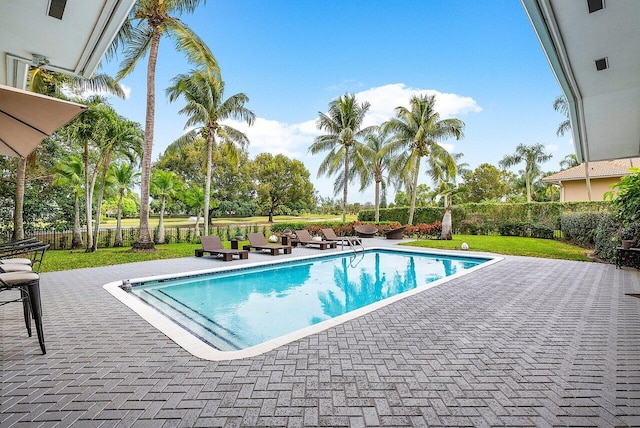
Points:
(28, 284)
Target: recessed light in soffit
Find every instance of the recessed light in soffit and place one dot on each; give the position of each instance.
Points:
(602, 64)
(56, 8)
(595, 5)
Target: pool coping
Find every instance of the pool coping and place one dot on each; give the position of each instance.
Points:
(200, 349)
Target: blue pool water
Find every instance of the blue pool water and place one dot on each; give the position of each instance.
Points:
(245, 307)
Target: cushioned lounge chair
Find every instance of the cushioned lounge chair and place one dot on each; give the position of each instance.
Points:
(258, 241)
(213, 246)
(304, 238)
(366, 230)
(330, 235)
(396, 233)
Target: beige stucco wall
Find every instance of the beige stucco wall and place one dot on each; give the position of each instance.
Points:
(576, 190)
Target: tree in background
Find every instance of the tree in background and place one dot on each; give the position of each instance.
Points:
(164, 186)
(125, 177)
(373, 164)
(569, 161)
(69, 173)
(193, 198)
(560, 105)
(140, 35)
(417, 131)
(424, 196)
(281, 181)
(532, 156)
(444, 170)
(206, 108)
(343, 127)
(485, 183)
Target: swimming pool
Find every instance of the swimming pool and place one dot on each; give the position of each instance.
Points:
(247, 310)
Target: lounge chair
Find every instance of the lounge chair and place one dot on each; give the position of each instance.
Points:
(396, 233)
(213, 246)
(366, 230)
(330, 235)
(304, 238)
(258, 241)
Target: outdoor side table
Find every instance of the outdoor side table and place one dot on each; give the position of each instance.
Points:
(628, 257)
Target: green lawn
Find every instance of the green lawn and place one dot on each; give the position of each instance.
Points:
(510, 245)
(545, 248)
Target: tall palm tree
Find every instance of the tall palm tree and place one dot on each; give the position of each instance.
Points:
(125, 177)
(164, 185)
(69, 174)
(532, 156)
(120, 137)
(148, 21)
(569, 161)
(417, 131)
(373, 164)
(343, 124)
(207, 108)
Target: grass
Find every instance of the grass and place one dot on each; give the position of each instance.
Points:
(507, 245)
(511, 245)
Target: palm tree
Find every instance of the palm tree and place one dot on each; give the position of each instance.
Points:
(532, 156)
(120, 137)
(148, 21)
(164, 185)
(560, 104)
(373, 163)
(417, 133)
(125, 177)
(194, 199)
(569, 161)
(443, 170)
(343, 124)
(206, 108)
(69, 174)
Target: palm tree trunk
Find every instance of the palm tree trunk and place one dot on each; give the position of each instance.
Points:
(445, 233)
(18, 219)
(103, 179)
(587, 179)
(346, 184)
(527, 182)
(92, 185)
(197, 224)
(118, 241)
(87, 195)
(377, 201)
(76, 239)
(414, 191)
(207, 184)
(161, 222)
(144, 241)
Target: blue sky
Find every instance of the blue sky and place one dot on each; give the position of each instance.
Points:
(481, 59)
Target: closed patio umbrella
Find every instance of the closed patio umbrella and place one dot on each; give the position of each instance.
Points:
(26, 118)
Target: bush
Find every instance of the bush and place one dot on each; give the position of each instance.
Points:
(606, 238)
(525, 229)
(424, 231)
(580, 228)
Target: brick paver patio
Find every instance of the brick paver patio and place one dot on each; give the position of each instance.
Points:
(524, 342)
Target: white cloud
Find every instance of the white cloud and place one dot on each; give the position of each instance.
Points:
(293, 140)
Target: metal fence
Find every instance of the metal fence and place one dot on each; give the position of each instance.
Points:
(61, 240)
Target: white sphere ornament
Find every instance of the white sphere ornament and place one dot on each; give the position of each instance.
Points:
(464, 246)
(273, 238)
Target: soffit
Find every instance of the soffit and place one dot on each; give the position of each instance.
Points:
(74, 44)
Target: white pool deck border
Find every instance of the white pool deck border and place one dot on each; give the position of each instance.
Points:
(203, 350)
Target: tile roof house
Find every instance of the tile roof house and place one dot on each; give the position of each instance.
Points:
(602, 175)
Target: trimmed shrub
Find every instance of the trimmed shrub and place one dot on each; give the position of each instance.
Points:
(580, 228)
